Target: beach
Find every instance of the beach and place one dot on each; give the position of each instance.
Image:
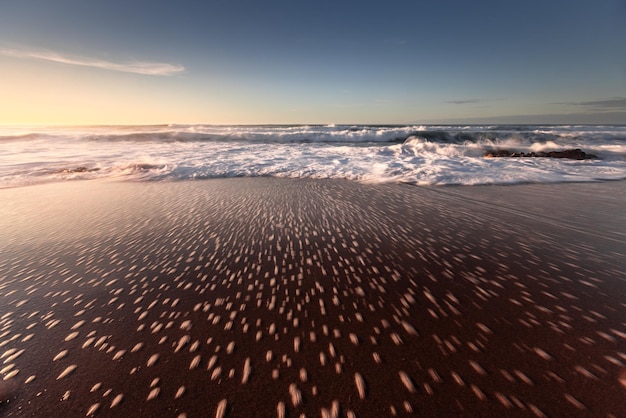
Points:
(266, 297)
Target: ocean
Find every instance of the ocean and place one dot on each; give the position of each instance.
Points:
(415, 154)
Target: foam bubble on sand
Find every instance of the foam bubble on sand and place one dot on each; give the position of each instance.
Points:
(8, 353)
(295, 394)
(406, 381)
(333, 412)
(195, 362)
(88, 342)
(152, 360)
(117, 400)
(360, 385)
(247, 370)
(211, 362)
(577, 404)
(304, 376)
(11, 374)
(153, 393)
(93, 409)
(11, 355)
(280, 410)
(221, 409)
(478, 393)
(67, 371)
(182, 342)
(409, 328)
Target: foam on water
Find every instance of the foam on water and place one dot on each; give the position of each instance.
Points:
(410, 153)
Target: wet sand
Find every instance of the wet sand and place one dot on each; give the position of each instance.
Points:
(267, 297)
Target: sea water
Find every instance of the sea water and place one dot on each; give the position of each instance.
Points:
(416, 154)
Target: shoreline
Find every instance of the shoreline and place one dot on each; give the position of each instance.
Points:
(309, 295)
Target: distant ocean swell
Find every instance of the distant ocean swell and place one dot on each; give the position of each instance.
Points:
(434, 154)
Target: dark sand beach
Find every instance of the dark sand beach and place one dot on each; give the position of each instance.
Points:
(274, 297)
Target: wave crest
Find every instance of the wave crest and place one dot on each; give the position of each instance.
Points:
(411, 153)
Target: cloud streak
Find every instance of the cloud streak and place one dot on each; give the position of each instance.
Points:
(465, 101)
(136, 67)
(614, 103)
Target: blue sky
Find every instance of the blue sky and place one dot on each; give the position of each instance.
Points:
(73, 61)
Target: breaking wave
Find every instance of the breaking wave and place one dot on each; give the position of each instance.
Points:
(434, 154)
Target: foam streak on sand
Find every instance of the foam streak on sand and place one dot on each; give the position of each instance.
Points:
(267, 297)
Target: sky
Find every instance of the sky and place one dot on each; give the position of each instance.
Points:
(301, 61)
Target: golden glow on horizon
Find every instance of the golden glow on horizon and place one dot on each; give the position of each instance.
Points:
(36, 92)
(42, 93)
(51, 93)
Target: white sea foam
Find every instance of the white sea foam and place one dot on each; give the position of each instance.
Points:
(413, 153)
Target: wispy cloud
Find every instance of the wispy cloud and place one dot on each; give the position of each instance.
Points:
(137, 67)
(483, 102)
(604, 104)
(614, 103)
(466, 101)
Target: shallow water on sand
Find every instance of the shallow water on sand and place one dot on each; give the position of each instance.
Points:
(274, 297)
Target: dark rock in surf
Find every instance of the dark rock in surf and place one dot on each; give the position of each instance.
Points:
(79, 169)
(572, 154)
(575, 154)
